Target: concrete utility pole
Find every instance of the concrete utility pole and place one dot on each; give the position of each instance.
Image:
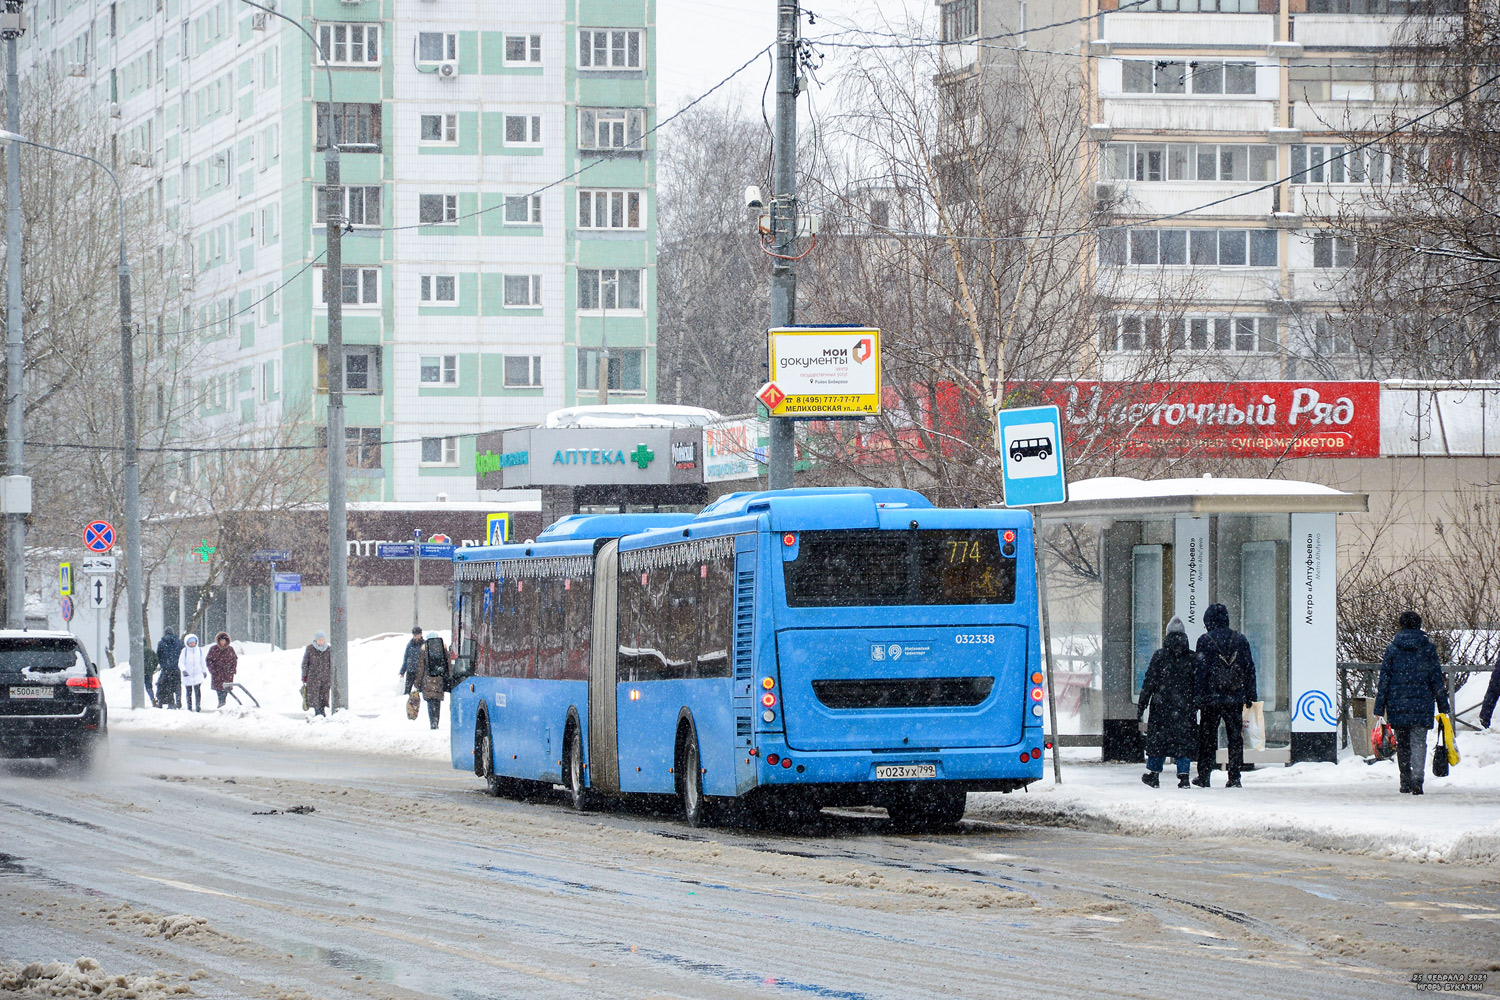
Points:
(782, 456)
(333, 293)
(15, 359)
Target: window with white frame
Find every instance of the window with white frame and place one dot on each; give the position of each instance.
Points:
(523, 291)
(436, 46)
(1332, 336)
(609, 288)
(362, 447)
(270, 224)
(612, 128)
(1336, 163)
(355, 125)
(267, 381)
(523, 371)
(1206, 6)
(439, 128)
(1206, 247)
(523, 210)
(438, 369)
(523, 130)
(1159, 161)
(523, 49)
(610, 209)
(1130, 333)
(361, 205)
(361, 285)
(1334, 251)
(609, 48)
(439, 289)
(270, 304)
(440, 451)
(437, 209)
(1199, 76)
(960, 19)
(349, 44)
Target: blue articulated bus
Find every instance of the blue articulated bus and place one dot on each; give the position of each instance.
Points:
(785, 650)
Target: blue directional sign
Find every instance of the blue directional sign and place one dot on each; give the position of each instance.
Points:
(271, 555)
(287, 583)
(435, 550)
(395, 550)
(1030, 443)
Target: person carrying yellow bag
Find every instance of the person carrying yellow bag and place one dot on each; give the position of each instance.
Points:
(1411, 683)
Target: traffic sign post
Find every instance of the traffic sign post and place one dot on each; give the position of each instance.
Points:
(66, 606)
(99, 590)
(65, 579)
(271, 555)
(99, 566)
(497, 528)
(99, 536)
(1030, 444)
(287, 583)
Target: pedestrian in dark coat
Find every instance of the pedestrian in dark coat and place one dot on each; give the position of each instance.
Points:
(1170, 692)
(1225, 687)
(169, 678)
(413, 663)
(1411, 683)
(317, 672)
(1491, 696)
(434, 678)
(223, 662)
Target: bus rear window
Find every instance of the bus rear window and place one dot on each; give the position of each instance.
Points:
(839, 569)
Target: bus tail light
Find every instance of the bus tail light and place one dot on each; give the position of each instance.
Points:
(1036, 753)
(1036, 694)
(773, 759)
(1036, 678)
(786, 762)
(1025, 756)
(788, 539)
(768, 682)
(768, 699)
(87, 683)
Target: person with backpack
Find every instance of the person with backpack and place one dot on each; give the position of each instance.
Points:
(1411, 683)
(1169, 691)
(1225, 687)
(435, 678)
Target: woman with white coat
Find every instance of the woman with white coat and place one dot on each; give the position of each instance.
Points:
(193, 665)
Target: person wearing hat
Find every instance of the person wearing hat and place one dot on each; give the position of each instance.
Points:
(1168, 691)
(412, 662)
(317, 672)
(1410, 687)
(1226, 687)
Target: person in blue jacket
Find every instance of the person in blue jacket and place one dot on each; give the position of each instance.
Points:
(1411, 683)
(1491, 696)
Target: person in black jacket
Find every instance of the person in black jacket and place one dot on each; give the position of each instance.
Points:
(1411, 682)
(1491, 696)
(412, 662)
(1225, 686)
(168, 679)
(1169, 690)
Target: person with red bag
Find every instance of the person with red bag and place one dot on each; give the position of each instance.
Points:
(1411, 683)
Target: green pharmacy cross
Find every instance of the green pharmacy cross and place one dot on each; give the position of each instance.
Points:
(642, 456)
(205, 550)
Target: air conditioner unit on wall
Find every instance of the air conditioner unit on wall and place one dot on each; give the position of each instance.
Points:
(447, 69)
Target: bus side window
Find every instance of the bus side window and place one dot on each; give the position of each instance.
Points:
(681, 626)
(655, 635)
(627, 664)
(528, 604)
(549, 650)
(715, 617)
(578, 606)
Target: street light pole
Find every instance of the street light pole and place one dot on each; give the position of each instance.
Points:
(15, 358)
(333, 294)
(136, 624)
(781, 457)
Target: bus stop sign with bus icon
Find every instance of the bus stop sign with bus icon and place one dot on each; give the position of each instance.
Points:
(1030, 444)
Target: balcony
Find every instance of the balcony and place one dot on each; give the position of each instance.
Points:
(1167, 197)
(1197, 30)
(1344, 116)
(1188, 114)
(1346, 31)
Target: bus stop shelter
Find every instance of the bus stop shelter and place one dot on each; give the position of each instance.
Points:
(1124, 555)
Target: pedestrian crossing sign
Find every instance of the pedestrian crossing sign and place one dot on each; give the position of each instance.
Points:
(498, 529)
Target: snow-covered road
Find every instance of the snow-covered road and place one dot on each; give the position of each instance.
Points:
(405, 880)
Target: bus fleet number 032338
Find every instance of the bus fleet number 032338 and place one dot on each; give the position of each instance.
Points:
(975, 638)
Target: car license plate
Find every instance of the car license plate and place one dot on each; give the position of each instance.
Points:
(31, 692)
(905, 771)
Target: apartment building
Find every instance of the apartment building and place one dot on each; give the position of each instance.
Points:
(499, 191)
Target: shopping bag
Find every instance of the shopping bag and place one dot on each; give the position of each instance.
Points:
(1440, 758)
(304, 698)
(1448, 739)
(413, 704)
(1383, 742)
(1253, 719)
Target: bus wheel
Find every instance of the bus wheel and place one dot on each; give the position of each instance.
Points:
(695, 805)
(927, 808)
(484, 754)
(573, 773)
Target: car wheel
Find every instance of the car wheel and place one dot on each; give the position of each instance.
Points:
(927, 808)
(573, 773)
(696, 808)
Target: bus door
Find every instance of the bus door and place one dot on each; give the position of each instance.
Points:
(603, 753)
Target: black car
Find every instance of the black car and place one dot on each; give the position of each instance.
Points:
(51, 701)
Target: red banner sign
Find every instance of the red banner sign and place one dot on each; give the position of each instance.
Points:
(1252, 419)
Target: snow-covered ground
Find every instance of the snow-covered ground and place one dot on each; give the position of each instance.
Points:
(1349, 806)
(376, 722)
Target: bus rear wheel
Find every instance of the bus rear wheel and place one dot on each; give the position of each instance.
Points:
(696, 808)
(573, 774)
(924, 808)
